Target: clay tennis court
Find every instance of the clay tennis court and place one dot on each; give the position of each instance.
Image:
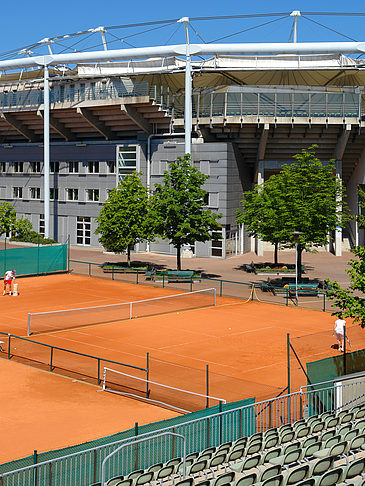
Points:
(244, 344)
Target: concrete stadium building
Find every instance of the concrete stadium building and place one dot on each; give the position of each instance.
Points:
(72, 125)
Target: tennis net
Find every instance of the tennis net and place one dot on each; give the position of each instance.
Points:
(156, 393)
(73, 318)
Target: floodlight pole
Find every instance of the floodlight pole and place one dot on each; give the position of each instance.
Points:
(188, 89)
(46, 152)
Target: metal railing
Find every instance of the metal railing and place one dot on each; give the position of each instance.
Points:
(78, 92)
(244, 101)
(239, 101)
(142, 451)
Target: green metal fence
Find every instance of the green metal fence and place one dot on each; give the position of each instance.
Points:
(259, 292)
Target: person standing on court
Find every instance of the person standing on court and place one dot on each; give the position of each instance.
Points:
(339, 331)
(9, 278)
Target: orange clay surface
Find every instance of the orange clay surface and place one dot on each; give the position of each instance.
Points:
(245, 341)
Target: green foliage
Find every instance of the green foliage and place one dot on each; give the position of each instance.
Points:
(35, 238)
(7, 218)
(360, 218)
(178, 207)
(351, 300)
(305, 196)
(22, 229)
(124, 218)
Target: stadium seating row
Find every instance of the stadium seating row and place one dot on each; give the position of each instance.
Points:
(303, 451)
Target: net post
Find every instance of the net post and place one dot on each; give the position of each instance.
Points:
(191, 283)
(28, 327)
(98, 371)
(287, 297)
(148, 375)
(136, 447)
(163, 280)
(137, 277)
(38, 256)
(324, 302)
(51, 360)
(35, 471)
(252, 291)
(215, 297)
(344, 350)
(89, 269)
(9, 346)
(112, 272)
(288, 359)
(130, 310)
(220, 288)
(68, 253)
(207, 387)
(104, 380)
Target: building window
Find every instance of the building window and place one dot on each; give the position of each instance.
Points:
(72, 194)
(35, 167)
(217, 245)
(18, 166)
(213, 199)
(17, 192)
(126, 161)
(2, 166)
(204, 167)
(35, 192)
(41, 229)
(73, 167)
(55, 167)
(111, 166)
(53, 193)
(93, 167)
(92, 194)
(83, 231)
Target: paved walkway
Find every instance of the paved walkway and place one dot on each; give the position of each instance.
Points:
(319, 265)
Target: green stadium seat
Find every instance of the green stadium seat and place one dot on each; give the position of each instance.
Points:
(330, 478)
(356, 468)
(253, 448)
(164, 472)
(290, 457)
(135, 474)
(269, 473)
(335, 450)
(270, 454)
(310, 450)
(274, 481)
(155, 467)
(185, 482)
(218, 460)
(235, 455)
(223, 479)
(247, 480)
(319, 467)
(296, 475)
(302, 431)
(307, 482)
(247, 464)
(143, 478)
(114, 481)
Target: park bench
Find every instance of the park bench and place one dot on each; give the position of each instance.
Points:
(118, 269)
(304, 289)
(179, 275)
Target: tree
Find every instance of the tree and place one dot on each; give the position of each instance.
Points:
(260, 216)
(178, 207)
(351, 301)
(22, 228)
(124, 218)
(304, 197)
(7, 218)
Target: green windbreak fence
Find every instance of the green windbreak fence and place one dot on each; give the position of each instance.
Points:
(34, 260)
(202, 429)
(325, 370)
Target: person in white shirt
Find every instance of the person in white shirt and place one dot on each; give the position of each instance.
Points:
(9, 278)
(338, 330)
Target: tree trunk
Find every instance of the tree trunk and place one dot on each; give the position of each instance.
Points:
(276, 253)
(178, 256)
(129, 255)
(299, 263)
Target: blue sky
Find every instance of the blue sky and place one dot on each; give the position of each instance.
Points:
(29, 21)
